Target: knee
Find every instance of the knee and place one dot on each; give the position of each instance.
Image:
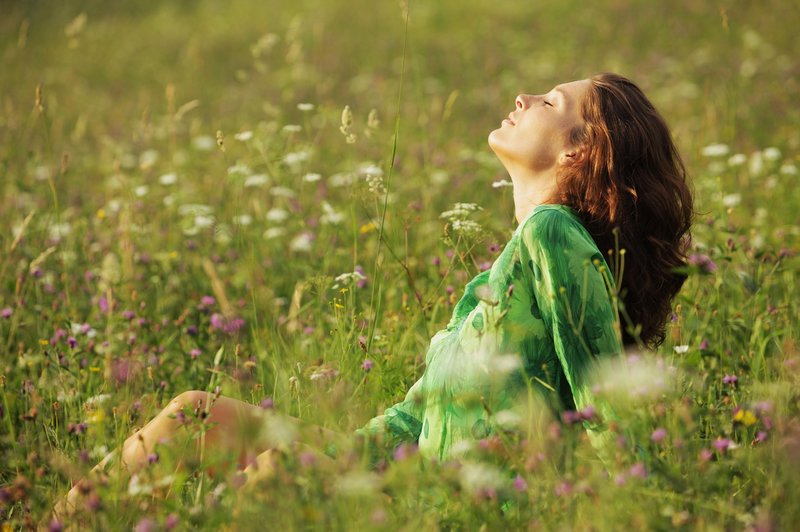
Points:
(189, 399)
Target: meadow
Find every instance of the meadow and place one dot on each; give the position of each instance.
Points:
(247, 198)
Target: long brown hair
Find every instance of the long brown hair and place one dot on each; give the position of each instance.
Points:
(631, 191)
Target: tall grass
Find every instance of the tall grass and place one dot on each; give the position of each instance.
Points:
(175, 186)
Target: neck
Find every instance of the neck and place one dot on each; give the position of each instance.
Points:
(530, 190)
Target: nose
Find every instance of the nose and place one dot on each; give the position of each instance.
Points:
(523, 101)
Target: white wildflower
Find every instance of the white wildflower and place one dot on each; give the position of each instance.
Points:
(296, 158)
(439, 177)
(204, 143)
(502, 183)
(715, 150)
(305, 107)
(341, 180)
(169, 200)
(466, 227)
(282, 192)
(243, 219)
(301, 242)
(716, 167)
(292, 128)
(194, 209)
(772, 153)
(256, 180)
(347, 279)
(42, 173)
(168, 179)
(480, 478)
(732, 200)
(239, 169)
(141, 191)
(96, 400)
(681, 349)
(789, 169)
(201, 221)
(737, 159)
(243, 136)
(311, 177)
(277, 215)
(273, 232)
(58, 231)
(222, 234)
(148, 158)
(330, 216)
(756, 165)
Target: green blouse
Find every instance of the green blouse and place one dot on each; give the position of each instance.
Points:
(538, 319)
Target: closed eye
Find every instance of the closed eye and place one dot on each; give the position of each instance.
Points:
(548, 103)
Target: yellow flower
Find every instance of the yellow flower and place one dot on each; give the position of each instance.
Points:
(745, 416)
(366, 228)
(101, 213)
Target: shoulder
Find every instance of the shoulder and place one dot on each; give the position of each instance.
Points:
(551, 225)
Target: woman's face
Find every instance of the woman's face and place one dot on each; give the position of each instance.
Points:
(535, 136)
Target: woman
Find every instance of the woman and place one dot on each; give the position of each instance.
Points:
(603, 211)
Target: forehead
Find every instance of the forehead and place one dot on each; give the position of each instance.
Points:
(573, 90)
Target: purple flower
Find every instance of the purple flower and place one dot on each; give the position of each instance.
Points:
(761, 436)
(705, 455)
(103, 304)
(563, 489)
(704, 344)
(152, 458)
(730, 379)
(638, 470)
(308, 329)
(207, 301)
(171, 521)
(703, 262)
(722, 444)
(267, 403)
(485, 265)
(191, 330)
(361, 283)
(367, 365)
(307, 459)
(570, 417)
(519, 483)
(588, 412)
(620, 479)
(72, 342)
(128, 315)
(436, 261)
(146, 525)
(658, 435)
(194, 353)
(227, 325)
(6, 312)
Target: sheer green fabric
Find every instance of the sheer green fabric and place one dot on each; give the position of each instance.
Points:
(541, 318)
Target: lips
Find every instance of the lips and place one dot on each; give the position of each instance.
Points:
(511, 119)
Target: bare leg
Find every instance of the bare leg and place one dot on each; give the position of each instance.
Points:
(233, 425)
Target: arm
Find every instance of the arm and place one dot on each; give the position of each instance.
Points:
(399, 423)
(566, 273)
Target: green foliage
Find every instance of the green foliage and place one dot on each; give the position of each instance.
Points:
(180, 179)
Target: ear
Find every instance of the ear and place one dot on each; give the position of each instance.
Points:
(572, 155)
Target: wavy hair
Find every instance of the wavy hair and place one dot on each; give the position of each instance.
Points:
(630, 189)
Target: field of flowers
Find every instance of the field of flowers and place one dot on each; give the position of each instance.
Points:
(282, 201)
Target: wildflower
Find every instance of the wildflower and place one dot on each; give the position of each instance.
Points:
(658, 435)
(731, 200)
(311, 177)
(563, 489)
(171, 521)
(292, 128)
(620, 479)
(6, 312)
(346, 279)
(745, 416)
(330, 216)
(722, 444)
(588, 412)
(737, 159)
(703, 262)
(55, 526)
(680, 349)
(761, 436)
(305, 107)
(152, 458)
(715, 150)
(571, 417)
(347, 124)
(243, 136)
(277, 215)
(638, 470)
(367, 365)
(519, 483)
(72, 342)
(772, 153)
(256, 180)
(227, 325)
(207, 301)
(704, 345)
(267, 403)
(302, 242)
(502, 183)
(146, 525)
(730, 379)
(294, 159)
(194, 353)
(705, 455)
(168, 179)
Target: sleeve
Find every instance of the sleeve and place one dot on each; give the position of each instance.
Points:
(400, 423)
(569, 280)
